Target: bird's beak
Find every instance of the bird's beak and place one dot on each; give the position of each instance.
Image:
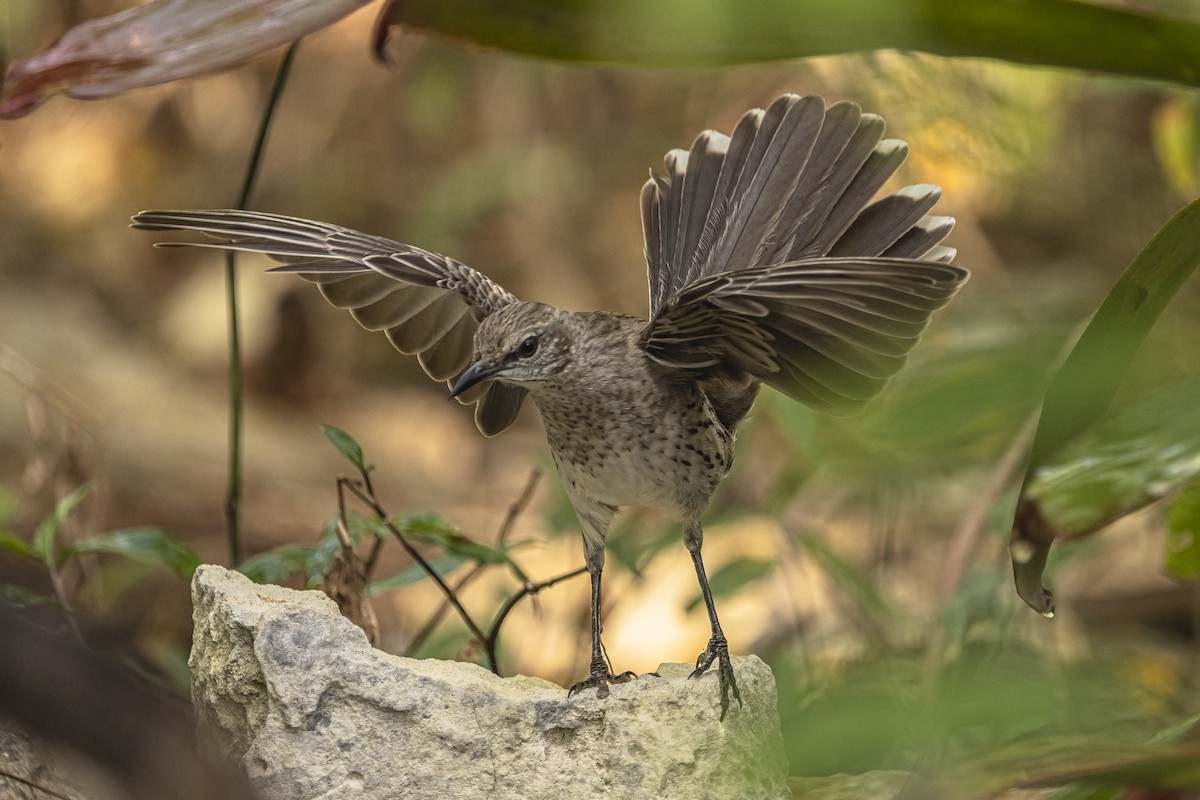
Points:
(475, 373)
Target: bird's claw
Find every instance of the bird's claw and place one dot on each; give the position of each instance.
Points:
(600, 680)
(718, 650)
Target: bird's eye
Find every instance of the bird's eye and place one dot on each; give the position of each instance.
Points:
(528, 347)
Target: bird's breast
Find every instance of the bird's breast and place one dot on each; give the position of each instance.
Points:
(637, 442)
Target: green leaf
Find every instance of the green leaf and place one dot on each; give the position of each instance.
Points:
(346, 445)
(433, 529)
(325, 553)
(1174, 128)
(1180, 731)
(275, 565)
(1183, 534)
(144, 545)
(673, 33)
(1084, 387)
(44, 537)
(15, 596)
(1130, 460)
(732, 576)
(1144, 768)
(16, 545)
(1086, 785)
(442, 565)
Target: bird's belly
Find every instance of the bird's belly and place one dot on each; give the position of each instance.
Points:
(661, 468)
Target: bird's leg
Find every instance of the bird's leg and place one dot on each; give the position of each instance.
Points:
(718, 647)
(600, 674)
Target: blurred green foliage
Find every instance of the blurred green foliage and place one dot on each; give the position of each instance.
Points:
(1153, 42)
(1132, 458)
(529, 171)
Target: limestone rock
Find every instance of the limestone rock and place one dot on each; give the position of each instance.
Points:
(315, 712)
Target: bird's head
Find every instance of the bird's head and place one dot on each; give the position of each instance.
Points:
(522, 343)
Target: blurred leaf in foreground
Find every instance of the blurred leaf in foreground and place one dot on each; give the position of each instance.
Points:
(16, 545)
(158, 42)
(1082, 390)
(674, 33)
(1183, 534)
(1123, 464)
(166, 40)
(144, 545)
(1174, 127)
(1143, 768)
(16, 596)
(45, 545)
(956, 409)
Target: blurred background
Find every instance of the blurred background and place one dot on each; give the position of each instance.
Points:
(861, 557)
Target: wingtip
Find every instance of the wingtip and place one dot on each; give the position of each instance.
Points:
(143, 219)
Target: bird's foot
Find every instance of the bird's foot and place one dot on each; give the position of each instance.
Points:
(718, 650)
(600, 680)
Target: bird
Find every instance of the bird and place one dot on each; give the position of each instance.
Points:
(774, 257)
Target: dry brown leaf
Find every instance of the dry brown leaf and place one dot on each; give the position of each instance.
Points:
(159, 42)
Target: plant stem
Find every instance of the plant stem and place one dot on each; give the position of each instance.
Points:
(416, 556)
(514, 510)
(233, 491)
(510, 603)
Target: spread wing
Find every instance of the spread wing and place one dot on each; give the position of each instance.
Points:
(427, 304)
(767, 256)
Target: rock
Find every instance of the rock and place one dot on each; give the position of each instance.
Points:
(50, 768)
(315, 712)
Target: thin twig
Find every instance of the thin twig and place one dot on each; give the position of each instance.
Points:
(420, 559)
(365, 493)
(967, 535)
(68, 608)
(514, 510)
(233, 491)
(510, 603)
(517, 506)
(345, 581)
(35, 786)
(343, 529)
(372, 557)
(970, 527)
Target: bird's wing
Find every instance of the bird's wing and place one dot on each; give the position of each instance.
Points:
(766, 254)
(428, 305)
(827, 332)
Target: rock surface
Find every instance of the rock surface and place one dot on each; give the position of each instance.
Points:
(315, 712)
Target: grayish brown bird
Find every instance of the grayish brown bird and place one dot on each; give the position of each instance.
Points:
(768, 264)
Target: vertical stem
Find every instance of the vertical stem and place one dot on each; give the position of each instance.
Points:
(233, 491)
(233, 488)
